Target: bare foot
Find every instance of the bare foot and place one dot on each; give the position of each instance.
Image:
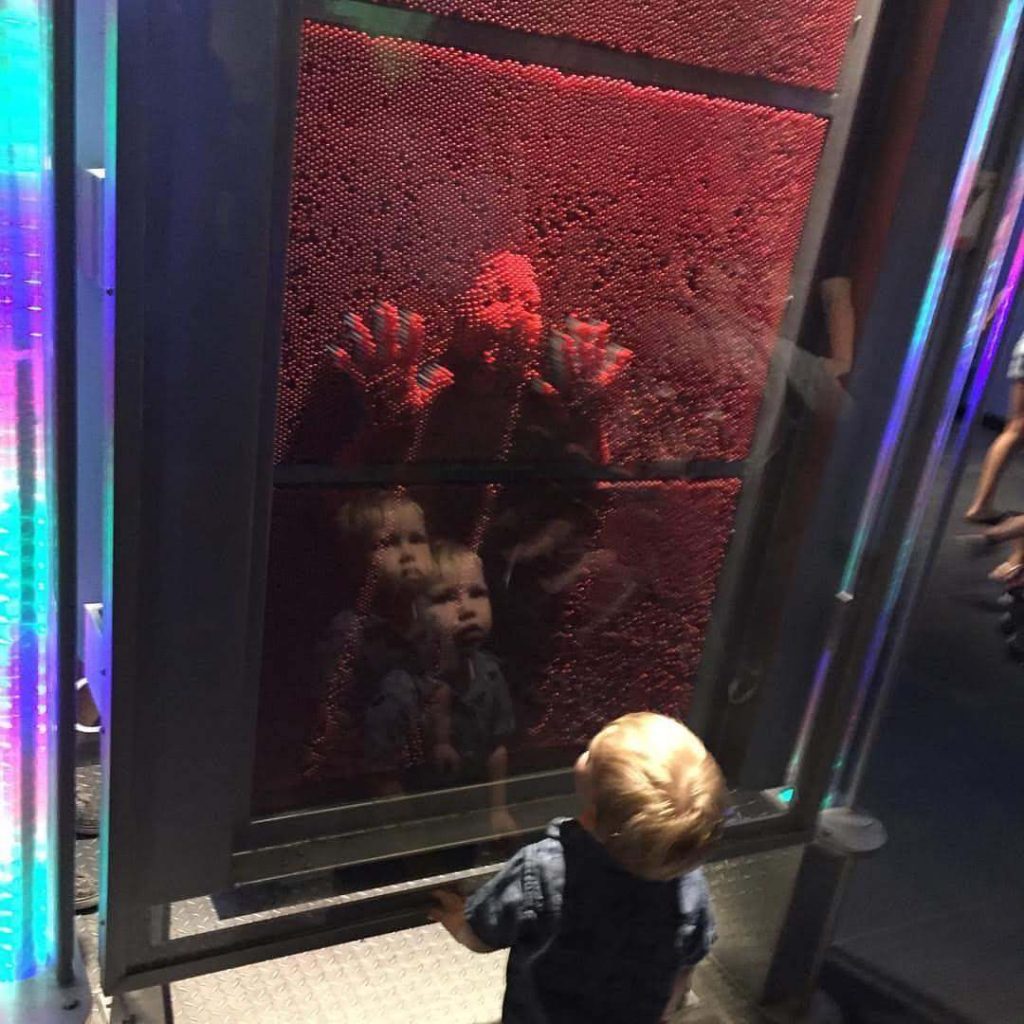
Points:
(983, 516)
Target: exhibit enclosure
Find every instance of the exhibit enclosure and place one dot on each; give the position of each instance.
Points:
(476, 372)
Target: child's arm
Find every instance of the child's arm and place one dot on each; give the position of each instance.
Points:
(837, 295)
(497, 772)
(502, 726)
(451, 913)
(439, 727)
(497, 914)
(697, 933)
(386, 733)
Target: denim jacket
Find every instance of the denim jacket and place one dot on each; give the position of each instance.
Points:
(590, 942)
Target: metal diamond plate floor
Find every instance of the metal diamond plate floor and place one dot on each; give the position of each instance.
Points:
(420, 976)
(417, 975)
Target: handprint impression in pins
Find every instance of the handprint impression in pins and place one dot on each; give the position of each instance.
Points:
(505, 395)
(385, 362)
(371, 391)
(581, 364)
(512, 397)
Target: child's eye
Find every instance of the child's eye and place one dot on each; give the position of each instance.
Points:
(479, 591)
(417, 538)
(443, 596)
(388, 541)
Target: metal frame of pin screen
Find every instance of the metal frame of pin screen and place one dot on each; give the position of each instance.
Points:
(184, 314)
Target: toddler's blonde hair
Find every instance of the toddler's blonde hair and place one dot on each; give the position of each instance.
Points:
(658, 795)
(357, 520)
(445, 556)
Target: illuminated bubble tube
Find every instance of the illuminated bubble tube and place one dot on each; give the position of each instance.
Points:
(27, 678)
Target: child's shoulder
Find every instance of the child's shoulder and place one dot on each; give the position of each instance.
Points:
(407, 684)
(488, 673)
(538, 870)
(547, 853)
(485, 663)
(547, 856)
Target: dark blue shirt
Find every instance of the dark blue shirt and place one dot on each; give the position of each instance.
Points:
(482, 718)
(590, 942)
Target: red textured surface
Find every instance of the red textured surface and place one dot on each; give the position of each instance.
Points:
(627, 635)
(673, 217)
(632, 635)
(796, 41)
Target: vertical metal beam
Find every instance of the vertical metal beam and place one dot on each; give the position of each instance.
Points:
(65, 465)
(859, 609)
(814, 906)
(917, 560)
(123, 278)
(720, 652)
(290, 40)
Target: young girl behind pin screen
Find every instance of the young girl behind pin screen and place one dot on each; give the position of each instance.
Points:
(607, 916)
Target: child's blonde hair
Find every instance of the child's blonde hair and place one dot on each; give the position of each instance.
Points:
(658, 795)
(357, 519)
(443, 555)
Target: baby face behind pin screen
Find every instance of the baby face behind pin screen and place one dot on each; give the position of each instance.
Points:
(456, 604)
(400, 547)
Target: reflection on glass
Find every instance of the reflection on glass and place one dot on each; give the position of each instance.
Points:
(399, 657)
(536, 310)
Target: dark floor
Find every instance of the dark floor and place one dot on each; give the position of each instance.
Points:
(939, 913)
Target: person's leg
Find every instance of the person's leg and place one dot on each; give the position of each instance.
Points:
(996, 458)
(1012, 529)
(981, 544)
(1008, 529)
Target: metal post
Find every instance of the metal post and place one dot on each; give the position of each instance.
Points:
(65, 466)
(844, 835)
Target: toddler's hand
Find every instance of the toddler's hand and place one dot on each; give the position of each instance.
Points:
(385, 360)
(502, 822)
(581, 360)
(449, 912)
(446, 759)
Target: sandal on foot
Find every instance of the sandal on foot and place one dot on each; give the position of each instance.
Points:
(1007, 573)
